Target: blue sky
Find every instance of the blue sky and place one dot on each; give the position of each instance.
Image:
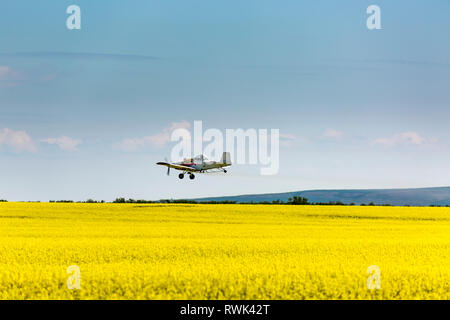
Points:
(364, 109)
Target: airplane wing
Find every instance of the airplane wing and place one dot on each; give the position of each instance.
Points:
(177, 166)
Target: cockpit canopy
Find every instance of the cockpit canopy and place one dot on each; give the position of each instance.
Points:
(196, 159)
(200, 158)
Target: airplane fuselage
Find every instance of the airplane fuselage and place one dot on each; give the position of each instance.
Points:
(207, 165)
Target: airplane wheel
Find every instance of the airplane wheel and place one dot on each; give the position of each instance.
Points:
(224, 170)
(191, 176)
(181, 176)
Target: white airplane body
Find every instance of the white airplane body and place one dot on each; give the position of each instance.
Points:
(198, 164)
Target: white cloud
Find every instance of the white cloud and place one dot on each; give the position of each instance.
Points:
(157, 140)
(333, 134)
(64, 143)
(287, 139)
(404, 138)
(4, 70)
(287, 136)
(19, 141)
(8, 77)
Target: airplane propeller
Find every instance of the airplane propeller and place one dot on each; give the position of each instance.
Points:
(168, 168)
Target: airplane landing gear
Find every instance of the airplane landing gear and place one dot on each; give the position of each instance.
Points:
(225, 171)
(181, 176)
(191, 176)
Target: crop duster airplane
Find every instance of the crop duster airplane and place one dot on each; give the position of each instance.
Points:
(199, 164)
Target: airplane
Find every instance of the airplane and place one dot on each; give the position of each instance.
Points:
(198, 164)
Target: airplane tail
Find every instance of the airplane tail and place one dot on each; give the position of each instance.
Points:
(226, 158)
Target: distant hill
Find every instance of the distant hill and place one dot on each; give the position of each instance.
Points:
(397, 197)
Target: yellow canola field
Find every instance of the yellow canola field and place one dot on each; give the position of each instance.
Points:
(160, 251)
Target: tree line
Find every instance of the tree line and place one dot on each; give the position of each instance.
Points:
(295, 200)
